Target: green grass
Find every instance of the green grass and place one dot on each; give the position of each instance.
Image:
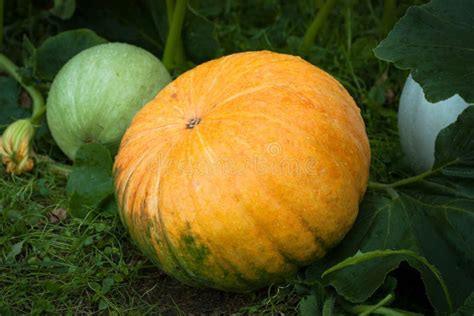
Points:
(72, 266)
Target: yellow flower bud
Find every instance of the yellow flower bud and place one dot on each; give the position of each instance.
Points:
(15, 146)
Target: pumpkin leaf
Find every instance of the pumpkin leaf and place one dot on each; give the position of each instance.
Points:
(158, 11)
(431, 215)
(90, 182)
(10, 109)
(435, 41)
(467, 309)
(57, 50)
(313, 296)
(142, 24)
(200, 37)
(63, 9)
(309, 306)
(358, 277)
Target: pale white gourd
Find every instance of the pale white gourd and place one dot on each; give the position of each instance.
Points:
(420, 121)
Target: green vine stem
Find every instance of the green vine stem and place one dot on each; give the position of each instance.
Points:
(316, 25)
(174, 34)
(389, 16)
(328, 306)
(410, 180)
(385, 301)
(1, 23)
(379, 308)
(169, 10)
(360, 309)
(180, 57)
(39, 107)
(53, 166)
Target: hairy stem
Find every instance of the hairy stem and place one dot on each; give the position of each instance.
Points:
(316, 25)
(38, 102)
(174, 34)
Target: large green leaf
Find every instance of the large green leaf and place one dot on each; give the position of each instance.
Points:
(90, 183)
(142, 23)
(358, 277)
(57, 50)
(467, 309)
(435, 41)
(431, 214)
(10, 110)
(200, 37)
(455, 150)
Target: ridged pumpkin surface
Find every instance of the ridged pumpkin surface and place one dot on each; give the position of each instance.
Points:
(242, 170)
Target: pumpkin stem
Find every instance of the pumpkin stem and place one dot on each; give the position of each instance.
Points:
(193, 122)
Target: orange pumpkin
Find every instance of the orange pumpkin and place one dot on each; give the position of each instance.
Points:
(242, 170)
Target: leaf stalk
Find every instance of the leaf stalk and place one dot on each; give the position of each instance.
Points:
(385, 301)
(410, 180)
(54, 166)
(174, 33)
(2, 4)
(316, 25)
(388, 17)
(39, 107)
(328, 306)
(180, 57)
(360, 309)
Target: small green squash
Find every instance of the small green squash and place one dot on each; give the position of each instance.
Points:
(97, 93)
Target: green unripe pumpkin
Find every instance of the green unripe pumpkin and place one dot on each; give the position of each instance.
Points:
(97, 93)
